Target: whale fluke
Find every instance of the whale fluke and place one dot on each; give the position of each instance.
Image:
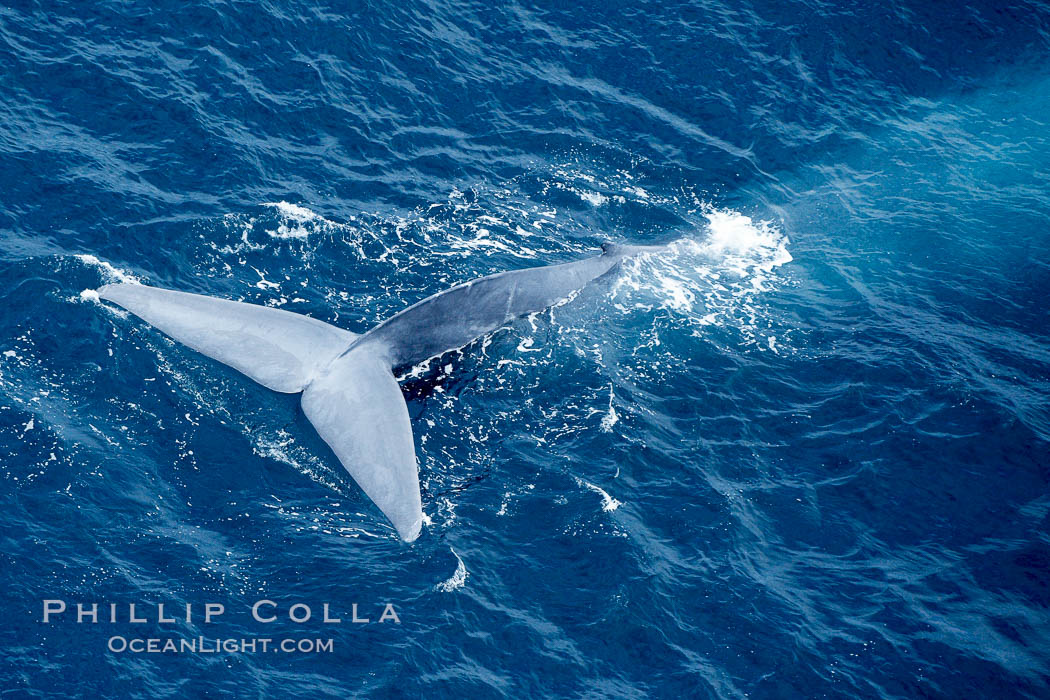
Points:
(350, 394)
(357, 407)
(281, 350)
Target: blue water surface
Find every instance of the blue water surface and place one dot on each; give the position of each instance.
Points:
(804, 453)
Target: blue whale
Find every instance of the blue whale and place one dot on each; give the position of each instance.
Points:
(349, 391)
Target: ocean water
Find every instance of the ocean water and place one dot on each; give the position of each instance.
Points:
(804, 453)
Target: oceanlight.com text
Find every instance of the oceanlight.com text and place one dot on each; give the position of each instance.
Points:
(202, 645)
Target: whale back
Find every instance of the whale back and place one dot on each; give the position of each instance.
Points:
(454, 318)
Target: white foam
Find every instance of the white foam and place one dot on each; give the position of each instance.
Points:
(503, 505)
(595, 199)
(457, 580)
(609, 504)
(610, 419)
(293, 219)
(112, 274)
(293, 211)
(264, 283)
(281, 446)
(676, 293)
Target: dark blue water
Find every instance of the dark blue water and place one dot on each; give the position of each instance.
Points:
(803, 454)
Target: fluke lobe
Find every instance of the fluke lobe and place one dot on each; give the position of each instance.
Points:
(347, 381)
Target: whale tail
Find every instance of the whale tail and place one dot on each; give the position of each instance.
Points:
(351, 398)
(349, 391)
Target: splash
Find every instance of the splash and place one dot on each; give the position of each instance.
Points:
(715, 280)
(746, 248)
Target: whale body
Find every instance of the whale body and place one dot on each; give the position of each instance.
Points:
(349, 393)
